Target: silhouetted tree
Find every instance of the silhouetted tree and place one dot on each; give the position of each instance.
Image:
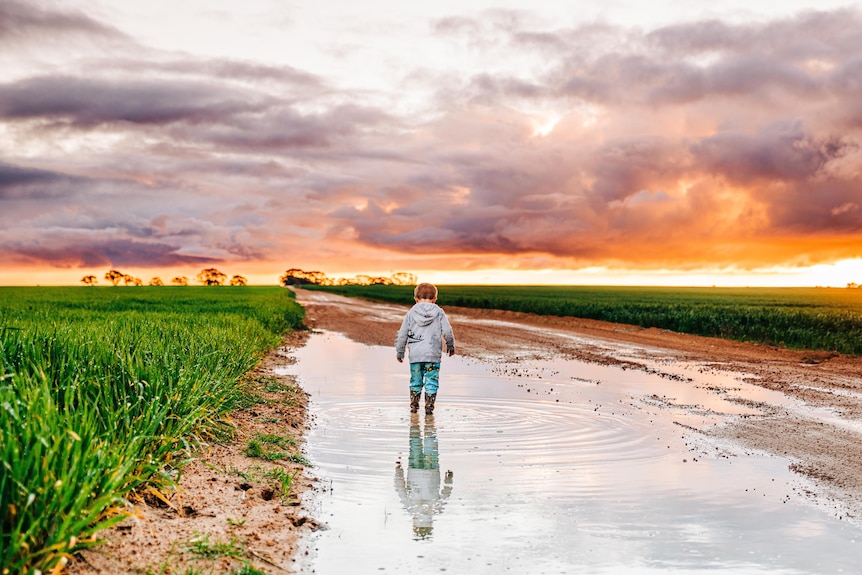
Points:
(180, 281)
(296, 276)
(157, 281)
(89, 280)
(132, 280)
(404, 279)
(238, 281)
(114, 276)
(211, 277)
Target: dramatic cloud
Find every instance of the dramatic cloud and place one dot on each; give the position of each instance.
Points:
(23, 20)
(692, 145)
(113, 253)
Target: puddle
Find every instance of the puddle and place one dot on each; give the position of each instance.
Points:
(562, 467)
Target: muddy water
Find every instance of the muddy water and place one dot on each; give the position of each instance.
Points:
(550, 466)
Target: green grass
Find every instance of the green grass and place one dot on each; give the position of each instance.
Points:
(249, 570)
(284, 479)
(798, 318)
(104, 391)
(299, 459)
(201, 546)
(269, 447)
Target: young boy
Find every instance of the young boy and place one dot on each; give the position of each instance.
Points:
(423, 330)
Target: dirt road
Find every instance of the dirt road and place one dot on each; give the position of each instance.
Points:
(822, 440)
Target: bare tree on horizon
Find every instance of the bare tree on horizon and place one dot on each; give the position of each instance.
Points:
(211, 277)
(114, 276)
(130, 280)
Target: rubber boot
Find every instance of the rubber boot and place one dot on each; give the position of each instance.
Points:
(414, 401)
(429, 403)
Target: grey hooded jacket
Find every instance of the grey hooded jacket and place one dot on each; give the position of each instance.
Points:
(423, 330)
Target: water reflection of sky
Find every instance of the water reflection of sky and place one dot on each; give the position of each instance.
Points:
(565, 468)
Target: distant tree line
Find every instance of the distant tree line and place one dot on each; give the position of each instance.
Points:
(293, 276)
(207, 277)
(296, 276)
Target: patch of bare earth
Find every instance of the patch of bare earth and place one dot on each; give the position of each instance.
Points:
(825, 450)
(229, 510)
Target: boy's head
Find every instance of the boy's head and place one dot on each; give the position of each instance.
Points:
(425, 291)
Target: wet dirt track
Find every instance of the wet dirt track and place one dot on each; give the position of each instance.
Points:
(538, 461)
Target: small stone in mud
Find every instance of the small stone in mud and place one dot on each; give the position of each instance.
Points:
(267, 493)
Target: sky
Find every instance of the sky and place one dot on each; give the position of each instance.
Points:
(516, 141)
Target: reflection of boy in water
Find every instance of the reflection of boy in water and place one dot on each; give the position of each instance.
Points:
(420, 490)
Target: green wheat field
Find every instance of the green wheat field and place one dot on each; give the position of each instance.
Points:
(798, 318)
(104, 392)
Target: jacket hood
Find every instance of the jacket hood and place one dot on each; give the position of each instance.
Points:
(424, 313)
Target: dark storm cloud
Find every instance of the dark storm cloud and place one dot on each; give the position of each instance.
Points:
(831, 206)
(17, 182)
(26, 20)
(53, 219)
(87, 102)
(285, 128)
(196, 111)
(782, 151)
(812, 34)
(112, 253)
(626, 166)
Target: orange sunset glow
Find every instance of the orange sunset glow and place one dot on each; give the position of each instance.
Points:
(639, 143)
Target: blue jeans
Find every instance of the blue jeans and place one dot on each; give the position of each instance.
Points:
(425, 374)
